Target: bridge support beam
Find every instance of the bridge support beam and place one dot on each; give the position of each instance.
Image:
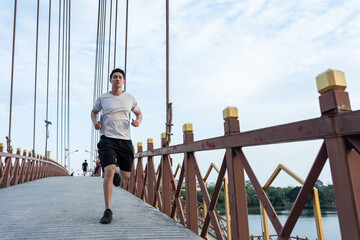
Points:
(150, 173)
(190, 181)
(166, 187)
(344, 159)
(237, 189)
(345, 168)
(140, 173)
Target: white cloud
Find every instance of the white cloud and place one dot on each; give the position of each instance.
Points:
(260, 56)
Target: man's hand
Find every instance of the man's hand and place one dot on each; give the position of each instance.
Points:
(97, 125)
(135, 123)
(138, 120)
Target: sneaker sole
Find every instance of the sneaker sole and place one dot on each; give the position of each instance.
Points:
(116, 180)
(105, 222)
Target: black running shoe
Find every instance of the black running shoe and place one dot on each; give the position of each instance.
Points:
(107, 217)
(116, 179)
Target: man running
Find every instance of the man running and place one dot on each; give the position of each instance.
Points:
(115, 146)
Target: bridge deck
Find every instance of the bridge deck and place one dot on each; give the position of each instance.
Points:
(71, 207)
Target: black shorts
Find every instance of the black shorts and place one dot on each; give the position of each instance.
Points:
(116, 151)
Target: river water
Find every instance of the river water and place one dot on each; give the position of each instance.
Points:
(305, 226)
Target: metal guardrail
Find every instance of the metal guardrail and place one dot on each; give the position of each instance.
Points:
(339, 128)
(314, 196)
(17, 168)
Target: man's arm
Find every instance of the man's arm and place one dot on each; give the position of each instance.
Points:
(94, 114)
(138, 120)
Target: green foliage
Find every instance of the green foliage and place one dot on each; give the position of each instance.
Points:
(279, 197)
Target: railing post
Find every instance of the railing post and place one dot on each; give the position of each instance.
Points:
(22, 168)
(37, 167)
(7, 171)
(237, 189)
(190, 183)
(44, 166)
(40, 166)
(150, 173)
(140, 172)
(28, 167)
(344, 161)
(131, 182)
(15, 170)
(166, 187)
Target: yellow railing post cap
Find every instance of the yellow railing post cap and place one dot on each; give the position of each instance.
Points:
(230, 113)
(187, 127)
(139, 144)
(18, 149)
(12, 147)
(25, 151)
(150, 140)
(1, 145)
(330, 80)
(162, 135)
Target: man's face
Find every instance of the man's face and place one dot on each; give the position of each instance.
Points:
(117, 79)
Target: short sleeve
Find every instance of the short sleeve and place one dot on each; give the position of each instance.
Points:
(135, 106)
(97, 105)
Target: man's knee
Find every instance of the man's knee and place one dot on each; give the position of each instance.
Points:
(109, 170)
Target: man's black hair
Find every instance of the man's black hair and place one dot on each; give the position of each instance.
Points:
(117, 70)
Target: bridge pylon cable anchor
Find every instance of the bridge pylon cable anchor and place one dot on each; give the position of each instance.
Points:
(8, 146)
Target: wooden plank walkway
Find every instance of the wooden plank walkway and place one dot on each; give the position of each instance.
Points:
(71, 207)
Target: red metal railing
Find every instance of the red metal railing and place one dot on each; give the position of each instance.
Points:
(338, 126)
(275, 237)
(16, 168)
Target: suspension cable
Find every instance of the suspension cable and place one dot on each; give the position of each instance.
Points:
(168, 104)
(103, 48)
(95, 76)
(96, 54)
(65, 78)
(36, 60)
(126, 37)
(47, 84)
(66, 83)
(62, 82)
(68, 108)
(8, 138)
(116, 10)
(99, 56)
(107, 82)
(58, 86)
(99, 60)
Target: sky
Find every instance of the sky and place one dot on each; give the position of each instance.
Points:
(260, 56)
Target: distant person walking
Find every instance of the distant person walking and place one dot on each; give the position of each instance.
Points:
(115, 146)
(84, 167)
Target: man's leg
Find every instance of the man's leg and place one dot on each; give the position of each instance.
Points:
(107, 184)
(125, 176)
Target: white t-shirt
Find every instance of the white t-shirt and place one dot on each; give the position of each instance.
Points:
(115, 118)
